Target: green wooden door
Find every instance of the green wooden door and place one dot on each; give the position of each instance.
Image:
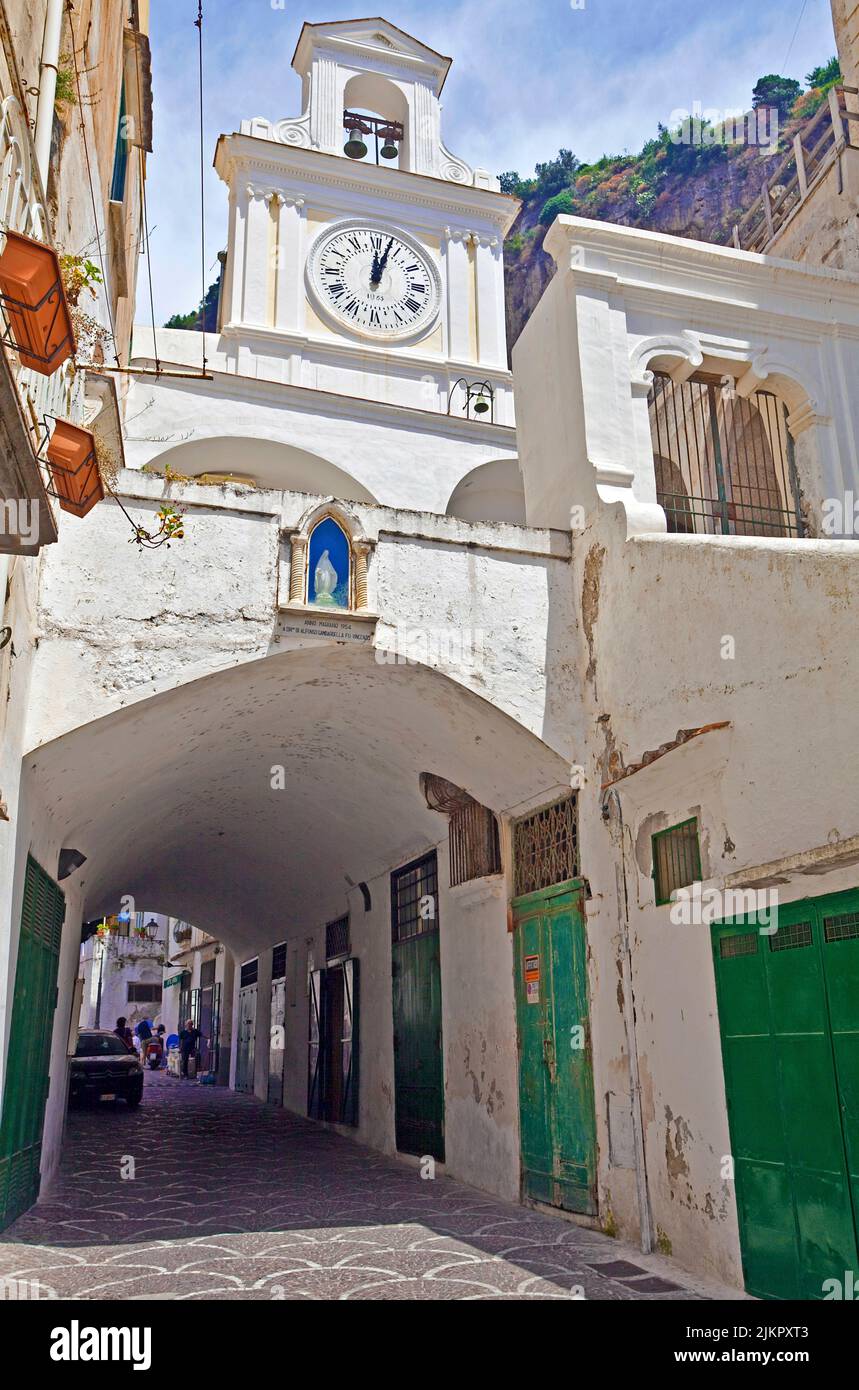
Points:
(556, 1099)
(789, 1021)
(34, 1002)
(416, 973)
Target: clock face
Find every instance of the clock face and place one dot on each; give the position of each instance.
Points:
(375, 281)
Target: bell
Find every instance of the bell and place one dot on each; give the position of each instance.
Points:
(355, 147)
(390, 149)
(481, 405)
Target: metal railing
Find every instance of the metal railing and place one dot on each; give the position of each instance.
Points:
(815, 150)
(724, 464)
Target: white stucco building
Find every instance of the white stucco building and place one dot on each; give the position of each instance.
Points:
(435, 714)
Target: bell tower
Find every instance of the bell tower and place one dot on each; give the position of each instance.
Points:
(364, 258)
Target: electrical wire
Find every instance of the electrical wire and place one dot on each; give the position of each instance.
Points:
(198, 24)
(70, 9)
(795, 32)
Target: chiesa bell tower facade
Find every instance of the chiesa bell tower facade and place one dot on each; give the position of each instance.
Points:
(364, 258)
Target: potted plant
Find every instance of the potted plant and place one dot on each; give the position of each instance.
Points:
(71, 457)
(37, 309)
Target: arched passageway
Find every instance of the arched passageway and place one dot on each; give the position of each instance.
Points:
(279, 807)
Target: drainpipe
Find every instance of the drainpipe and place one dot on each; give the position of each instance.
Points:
(645, 1214)
(48, 87)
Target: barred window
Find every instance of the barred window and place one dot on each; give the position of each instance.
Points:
(249, 973)
(139, 992)
(414, 898)
(545, 847)
(278, 962)
(337, 938)
(474, 847)
(676, 859)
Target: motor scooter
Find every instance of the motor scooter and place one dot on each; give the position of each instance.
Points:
(153, 1052)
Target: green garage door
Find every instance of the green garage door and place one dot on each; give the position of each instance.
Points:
(789, 1019)
(26, 1088)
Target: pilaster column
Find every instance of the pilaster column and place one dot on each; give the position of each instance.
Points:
(461, 323)
(289, 262)
(325, 119)
(491, 337)
(361, 550)
(297, 568)
(256, 257)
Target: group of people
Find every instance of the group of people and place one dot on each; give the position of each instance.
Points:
(189, 1039)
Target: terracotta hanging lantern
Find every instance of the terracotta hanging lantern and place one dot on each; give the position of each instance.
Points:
(35, 304)
(74, 471)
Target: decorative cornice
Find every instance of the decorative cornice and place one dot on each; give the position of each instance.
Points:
(253, 156)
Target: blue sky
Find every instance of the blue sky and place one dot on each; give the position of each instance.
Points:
(528, 77)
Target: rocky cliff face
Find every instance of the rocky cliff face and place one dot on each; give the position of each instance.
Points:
(697, 191)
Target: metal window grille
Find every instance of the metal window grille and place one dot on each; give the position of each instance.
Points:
(546, 847)
(845, 927)
(249, 973)
(475, 851)
(337, 938)
(414, 898)
(207, 973)
(789, 938)
(676, 859)
(278, 961)
(141, 993)
(743, 944)
(724, 464)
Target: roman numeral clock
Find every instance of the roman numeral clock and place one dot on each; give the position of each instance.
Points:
(364, 259)
(375, 280)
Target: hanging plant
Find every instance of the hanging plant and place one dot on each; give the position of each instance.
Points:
(171, 528)
(81, 276)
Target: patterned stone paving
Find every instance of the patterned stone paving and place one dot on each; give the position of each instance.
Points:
(234, 1199)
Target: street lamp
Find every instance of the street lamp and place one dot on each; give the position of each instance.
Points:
(152, 930)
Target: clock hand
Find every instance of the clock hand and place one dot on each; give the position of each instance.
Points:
(380, 266)
(376, 272)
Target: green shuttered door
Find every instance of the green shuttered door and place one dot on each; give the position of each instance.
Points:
(789, 1019)
(26, 1087)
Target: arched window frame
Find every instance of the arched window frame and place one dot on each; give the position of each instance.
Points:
(360, 548)
(682, 356)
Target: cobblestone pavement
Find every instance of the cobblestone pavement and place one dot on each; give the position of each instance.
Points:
(234, 1199)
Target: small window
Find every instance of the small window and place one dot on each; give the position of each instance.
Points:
(789, 938)
(120, 156)
(676, 859)
(546, 847)
(743, 944)
(278, 961)
(141, 993)
(474, 847)
(414, 898)
(842, 928)
(337, 938)
(249, 973)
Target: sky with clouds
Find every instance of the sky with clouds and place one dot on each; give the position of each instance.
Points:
(529, 76)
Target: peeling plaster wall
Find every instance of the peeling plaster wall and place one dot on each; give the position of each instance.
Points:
(780, 781)
(210, 601)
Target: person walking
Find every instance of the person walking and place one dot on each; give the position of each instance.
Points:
(124, 1032)
(188, 1040)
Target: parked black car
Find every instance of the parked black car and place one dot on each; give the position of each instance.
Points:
(103, 1069)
